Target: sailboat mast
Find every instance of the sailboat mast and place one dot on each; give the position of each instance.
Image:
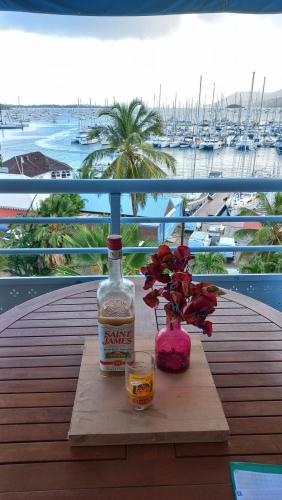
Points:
(197, 125)
(261, 101)
(160, 95)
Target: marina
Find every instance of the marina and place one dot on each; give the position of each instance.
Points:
(200, 150)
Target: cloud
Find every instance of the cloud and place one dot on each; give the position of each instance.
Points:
(103, 28)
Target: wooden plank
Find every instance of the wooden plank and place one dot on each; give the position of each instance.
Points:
(191, 492)
(255, 425)
(36, 399)
(247, 380)
(252, 408)
(50, 331)
(48, 385)
(37, 373)
(102, 415)
(58, 350)
(56, 307)
(41, 341)
(259, 367)
(254, 336)
(38, 315)
(122, 473)
(114, 473)
(33, 432)
(40, 361)
(33, 323)
(35, 415)
(74, 301)
(250, 394)
(242, 327)
(257, 345)
(255, 444)
(48, 451)
(243, 356)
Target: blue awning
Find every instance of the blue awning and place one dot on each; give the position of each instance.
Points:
(140, 7)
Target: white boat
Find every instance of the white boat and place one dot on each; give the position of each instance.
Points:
(162, 142)
(278, 145)
(85, 141)
(245, 144)
(104, 141)
(242, 200)
(174, 144)
(210, 144)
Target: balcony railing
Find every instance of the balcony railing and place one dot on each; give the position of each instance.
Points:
(264, 287)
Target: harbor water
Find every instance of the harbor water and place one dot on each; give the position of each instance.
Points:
(53, 138)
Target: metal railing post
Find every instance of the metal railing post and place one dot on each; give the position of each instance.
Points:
(115, 213)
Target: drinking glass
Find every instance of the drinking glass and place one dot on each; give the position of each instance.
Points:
(140, 380)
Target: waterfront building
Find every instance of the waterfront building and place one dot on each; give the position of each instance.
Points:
(38, 165)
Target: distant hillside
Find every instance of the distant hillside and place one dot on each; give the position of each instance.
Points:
(271, 99)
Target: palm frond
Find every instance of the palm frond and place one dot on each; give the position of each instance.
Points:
(96, 155)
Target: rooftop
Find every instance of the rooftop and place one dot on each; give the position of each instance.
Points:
(34, 164)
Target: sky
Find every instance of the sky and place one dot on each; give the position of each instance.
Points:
(58, 59)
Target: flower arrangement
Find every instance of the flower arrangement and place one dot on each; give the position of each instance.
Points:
(186, 301)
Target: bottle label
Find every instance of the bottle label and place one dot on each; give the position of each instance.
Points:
(114, 254)
(116, 345)
(141, 389)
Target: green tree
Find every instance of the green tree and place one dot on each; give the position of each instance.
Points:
(270, 233)
(266, 262)
(45, 235)
(209, 263)
(128, 128)
(54, 235)
(97, 237)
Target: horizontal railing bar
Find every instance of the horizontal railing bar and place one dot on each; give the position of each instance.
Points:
(55, 220)
(104, 250)
(139, 220)
(113, 186)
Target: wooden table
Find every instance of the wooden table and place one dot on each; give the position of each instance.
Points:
(40, 348)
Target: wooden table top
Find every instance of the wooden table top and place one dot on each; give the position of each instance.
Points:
(40, 347)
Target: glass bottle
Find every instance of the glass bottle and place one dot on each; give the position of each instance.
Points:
(173, 347)
(115, 297)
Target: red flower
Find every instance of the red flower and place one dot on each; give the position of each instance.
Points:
(153, 274)
(151, 299)
(185, 300)
(207, 328)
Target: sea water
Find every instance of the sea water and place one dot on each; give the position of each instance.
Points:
(54, 140)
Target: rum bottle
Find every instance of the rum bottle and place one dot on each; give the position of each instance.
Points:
(115, 297)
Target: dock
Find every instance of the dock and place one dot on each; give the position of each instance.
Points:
(214, 205)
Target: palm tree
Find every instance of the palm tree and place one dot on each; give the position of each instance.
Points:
(270, 262)
(54, 235)
(87, 172)
(97, 237)
(128, 128)
(270, 233)
(209, 263)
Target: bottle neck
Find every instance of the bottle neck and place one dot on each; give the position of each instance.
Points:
(115, 265)
(172, 326)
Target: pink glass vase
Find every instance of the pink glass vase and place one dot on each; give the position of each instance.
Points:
(173, 346)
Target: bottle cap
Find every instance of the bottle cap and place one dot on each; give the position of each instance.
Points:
(115, 242)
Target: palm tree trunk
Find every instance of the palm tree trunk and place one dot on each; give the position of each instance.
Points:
(134, 203)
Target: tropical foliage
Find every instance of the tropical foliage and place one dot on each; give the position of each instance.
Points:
(270, 262)
(97, 237)
(209, 263)
(45, 235)
(127, 129)
(270, 233)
